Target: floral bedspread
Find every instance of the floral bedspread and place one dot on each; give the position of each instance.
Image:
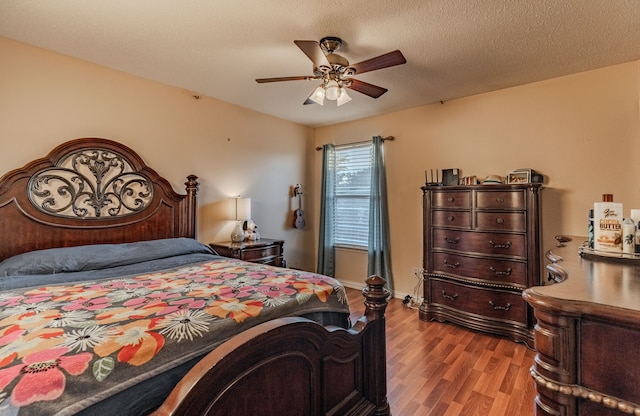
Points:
(64, 346)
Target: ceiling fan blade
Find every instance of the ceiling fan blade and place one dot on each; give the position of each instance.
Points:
(308, 101)
(383, 61)
(302, 77)
(367, 89)
(312, 49)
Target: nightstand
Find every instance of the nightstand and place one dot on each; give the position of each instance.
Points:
(264, 250)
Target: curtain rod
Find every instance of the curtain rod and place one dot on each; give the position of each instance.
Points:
(390, 138)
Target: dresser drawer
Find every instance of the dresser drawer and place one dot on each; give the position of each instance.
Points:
(501, 221)
(265, 251)
(476, 242)
(451, 199)
(459, 219)
(491, 303)
(494, 271)
(500, 199)
(260, 253)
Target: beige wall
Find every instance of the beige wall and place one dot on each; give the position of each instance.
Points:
(47, 98)
(581, 131)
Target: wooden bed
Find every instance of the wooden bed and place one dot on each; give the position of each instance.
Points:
(289, 365)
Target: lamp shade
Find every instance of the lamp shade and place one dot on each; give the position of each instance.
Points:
(332, 90)
(243, 209)
(343, 98)
(317, 96)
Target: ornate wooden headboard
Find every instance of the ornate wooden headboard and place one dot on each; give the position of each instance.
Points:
(90, 191)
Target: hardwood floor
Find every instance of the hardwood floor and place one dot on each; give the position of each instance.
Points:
(441, 369)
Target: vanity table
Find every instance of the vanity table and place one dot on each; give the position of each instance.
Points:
(587, 334)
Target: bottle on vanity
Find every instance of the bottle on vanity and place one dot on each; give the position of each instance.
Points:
(628, 236)
(590, 235)
(607, 222)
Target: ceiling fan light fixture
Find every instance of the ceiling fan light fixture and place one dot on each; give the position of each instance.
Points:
(343, 98)
(332, 90)
(317, 96)
(335, 72)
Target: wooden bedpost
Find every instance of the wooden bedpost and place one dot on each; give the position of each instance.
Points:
(376, 347)
(189, 208)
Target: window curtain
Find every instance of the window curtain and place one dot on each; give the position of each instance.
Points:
(326, 251)
(379, 242)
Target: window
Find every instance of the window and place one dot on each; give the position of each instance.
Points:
(352, 190)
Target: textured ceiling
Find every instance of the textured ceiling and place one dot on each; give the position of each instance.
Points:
(454, 48)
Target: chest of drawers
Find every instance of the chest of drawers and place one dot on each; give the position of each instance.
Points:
(481, 250)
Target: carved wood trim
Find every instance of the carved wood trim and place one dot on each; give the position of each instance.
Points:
(167, 214)
(514, 287)
(90, 183)
(581, 392)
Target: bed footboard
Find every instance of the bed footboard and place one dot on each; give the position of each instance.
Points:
(293, 366)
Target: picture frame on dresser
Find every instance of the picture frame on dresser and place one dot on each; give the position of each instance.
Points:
(518, 176)
(450, 177)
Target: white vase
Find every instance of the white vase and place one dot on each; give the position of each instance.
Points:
(237, 235)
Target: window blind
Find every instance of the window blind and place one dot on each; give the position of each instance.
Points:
(352, 190)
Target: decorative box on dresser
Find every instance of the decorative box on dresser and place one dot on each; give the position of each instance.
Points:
(264, 250)
(587, 334)
(481, 250)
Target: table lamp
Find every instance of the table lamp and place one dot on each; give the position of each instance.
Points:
(241, 211)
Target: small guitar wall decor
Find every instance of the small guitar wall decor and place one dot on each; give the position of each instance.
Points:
(298, 219)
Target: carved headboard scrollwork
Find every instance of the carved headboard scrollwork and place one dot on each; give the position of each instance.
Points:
(90, 183)
(91, 191)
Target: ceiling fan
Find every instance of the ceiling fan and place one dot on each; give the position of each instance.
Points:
(336, 73)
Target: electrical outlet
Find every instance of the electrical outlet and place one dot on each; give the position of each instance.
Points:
(418, 273)
(416, 300)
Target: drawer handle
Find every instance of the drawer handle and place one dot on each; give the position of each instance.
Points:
(451, 241)
(452, 265)
(450, 218)
(556, 273)
(494, 245)
(499, 200)
(451, 199)
(500, 220)
(497, 273)
(500, 308)
(263, 253)
(450, 297)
